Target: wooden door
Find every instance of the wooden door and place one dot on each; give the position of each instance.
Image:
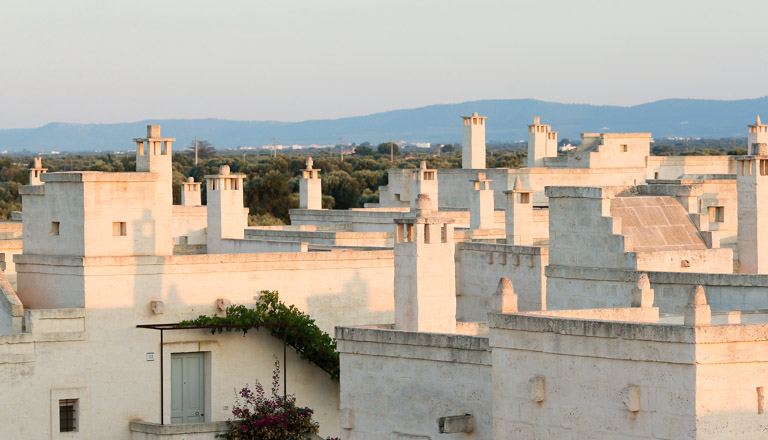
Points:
(187, 388)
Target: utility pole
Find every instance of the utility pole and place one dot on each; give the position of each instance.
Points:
(391, 151)
(341, 141)
(274, 148)
(195, 150)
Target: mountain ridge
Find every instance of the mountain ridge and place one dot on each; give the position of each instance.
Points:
(507, 121)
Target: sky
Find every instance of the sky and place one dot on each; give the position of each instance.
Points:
(104, 61)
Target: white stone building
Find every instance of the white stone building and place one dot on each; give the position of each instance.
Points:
(552, 301)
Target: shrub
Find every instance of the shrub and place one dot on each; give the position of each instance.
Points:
(259, 417)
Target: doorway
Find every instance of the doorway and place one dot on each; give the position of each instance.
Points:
(187, 387)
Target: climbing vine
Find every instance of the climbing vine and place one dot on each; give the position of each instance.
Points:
(300, 331)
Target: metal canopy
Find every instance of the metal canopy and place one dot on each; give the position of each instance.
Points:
(176, 326)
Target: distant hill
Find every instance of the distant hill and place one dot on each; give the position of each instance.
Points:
(507, 121)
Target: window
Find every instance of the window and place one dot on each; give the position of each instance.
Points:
(68, 415)
(525, 198)
(623, 148)
(656, 175)
(54, 228)
(118, 228)
(716, 214)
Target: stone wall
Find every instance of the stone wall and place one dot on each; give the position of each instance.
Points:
(235, 246)
(381, 239)
(479, 266)
(562, 378)
(395, 385)
(190, 222)
(190, 284)
(579, 288)
(99, 357)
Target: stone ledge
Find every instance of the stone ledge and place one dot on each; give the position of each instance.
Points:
(182, 428)
(32, 190)
(587, 192)
(97, 176)
(505, 248)
(592, 328)
(439, 340)
(52, 260)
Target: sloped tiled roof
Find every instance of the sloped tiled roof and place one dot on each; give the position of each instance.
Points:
(656, 223)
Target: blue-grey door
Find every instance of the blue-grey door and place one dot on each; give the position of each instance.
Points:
(187, 388)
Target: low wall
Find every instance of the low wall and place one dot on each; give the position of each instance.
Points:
(183, 431)
(479, 266)
(374, 220)
(565, 378)
(359, 292)
(190, 222)
(11, 309)
(380, 239)
(250, 246)
(579, 288)
(395, 385)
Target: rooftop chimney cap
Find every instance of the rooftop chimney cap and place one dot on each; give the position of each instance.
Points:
(536, 120)
(153, 131)
(224, 170)
(191, 179)
(310, 162)
(518, 184)
(757, 120)
(423, 202)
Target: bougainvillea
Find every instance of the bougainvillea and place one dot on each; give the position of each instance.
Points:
(274, 417)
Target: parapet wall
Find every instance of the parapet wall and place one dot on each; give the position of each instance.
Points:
(479, 266)
(397, 384)
(580, 377)
(237, 246)
(330, 238)
(580, 288)
(189, 285)
(190, 222)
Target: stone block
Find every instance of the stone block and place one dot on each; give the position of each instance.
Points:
(630, 397)
(347, 419)
(157, 307)
(536, 388)
(223, 304)
(455, 424)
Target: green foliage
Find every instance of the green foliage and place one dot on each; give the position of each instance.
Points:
(364, 150)
(274, 417)
(264, 220)
(388, 148)
(301, 332)
(344, 189)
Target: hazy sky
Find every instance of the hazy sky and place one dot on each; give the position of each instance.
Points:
(116, 61)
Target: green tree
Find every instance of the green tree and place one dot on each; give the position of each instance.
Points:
(204, 149)
(388, 147)
(344, 189)
(364, 150)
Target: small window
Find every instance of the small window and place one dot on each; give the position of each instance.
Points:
(525, 198)
(623, 148)
(54, 228)
(656, 175)
(716, 214)
(68, 415)
(118, 228)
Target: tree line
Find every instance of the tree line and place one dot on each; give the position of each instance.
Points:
(272, 183)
